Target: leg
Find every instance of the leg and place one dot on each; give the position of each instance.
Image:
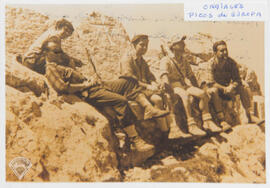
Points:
(245, 96)
(126, 87)
(217, 102)
(157, 101)
(201, 94)
(192, 125)
(149, 111)
(174, 129)
(208, 124)
(100, 97)
(185, 98)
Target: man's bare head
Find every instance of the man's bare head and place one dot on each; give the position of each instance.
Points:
(220, 50)
(64, 27)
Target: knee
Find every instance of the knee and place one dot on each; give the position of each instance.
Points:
(123, 100)
(156, 99)
(182, 93)
(202, 95)
(212, 90)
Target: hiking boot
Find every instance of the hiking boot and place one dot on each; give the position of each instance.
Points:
(139, 152)
(225, 126)
(138, 144)
(195, 130)
(254, 119)
(209, 125)
(176, 132)
(151, 112)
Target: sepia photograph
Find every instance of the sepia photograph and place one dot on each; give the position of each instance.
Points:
(132, 93)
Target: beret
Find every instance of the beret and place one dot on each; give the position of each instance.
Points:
(139, 37)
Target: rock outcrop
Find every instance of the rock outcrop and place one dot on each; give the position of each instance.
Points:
(101, 38)
(64, 142)
(23, 79)
(229, 157)
(68, 140)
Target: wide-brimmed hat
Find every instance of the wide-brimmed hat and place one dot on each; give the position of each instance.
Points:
(176, 39)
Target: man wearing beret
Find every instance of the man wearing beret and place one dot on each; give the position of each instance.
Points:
(65, 79)
(138, 83)
(174, 72)
(224, 82)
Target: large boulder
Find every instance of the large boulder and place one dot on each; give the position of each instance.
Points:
(64, 142)
(101, 38)
(67, 139)
(232, 158)
(24, 79)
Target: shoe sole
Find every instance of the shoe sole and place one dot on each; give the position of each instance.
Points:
(180, 136)
(203, 134)
(209, 130)
(163, 115)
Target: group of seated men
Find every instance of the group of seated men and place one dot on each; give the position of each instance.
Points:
(138, 83)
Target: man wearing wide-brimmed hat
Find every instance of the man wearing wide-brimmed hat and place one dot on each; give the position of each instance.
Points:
(174, 72)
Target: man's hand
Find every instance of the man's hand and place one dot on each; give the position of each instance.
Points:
(152, 87)
(216, 85)
(95, 80)
(229, 89)
(87, 84)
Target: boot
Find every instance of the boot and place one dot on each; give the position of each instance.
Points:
(175, 131)
(224, 125)
(209, 125)
(137, 142)
(194, 129)
(253, 119)
(140, 151)
(149, 111)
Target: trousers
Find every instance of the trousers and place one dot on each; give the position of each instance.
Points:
(218, 94)
(100, 98)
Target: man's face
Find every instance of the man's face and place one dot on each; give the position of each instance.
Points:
(222, 52)
(65, 32)
(178, 49)
(141, 47)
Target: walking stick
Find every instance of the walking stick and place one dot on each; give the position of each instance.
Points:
(89, 57)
